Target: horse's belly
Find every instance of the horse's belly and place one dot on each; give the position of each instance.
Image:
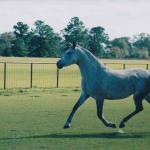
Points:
(110, 95)
(118, 96)
(119, 93)
(109, 91)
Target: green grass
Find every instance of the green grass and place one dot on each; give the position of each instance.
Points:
(32, 119)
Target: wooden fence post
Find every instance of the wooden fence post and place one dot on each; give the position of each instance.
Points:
(31, 75)
(124, 66)
(5, 75)
(147, 66)
(57, 78)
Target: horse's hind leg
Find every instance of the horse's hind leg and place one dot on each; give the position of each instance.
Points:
(138, 108)
(99, 104)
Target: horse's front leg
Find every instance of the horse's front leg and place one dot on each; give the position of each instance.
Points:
(81, 100)
(99, 104)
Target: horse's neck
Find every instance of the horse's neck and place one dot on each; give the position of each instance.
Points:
(90, 66)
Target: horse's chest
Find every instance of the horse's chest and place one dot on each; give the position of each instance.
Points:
(92, 88)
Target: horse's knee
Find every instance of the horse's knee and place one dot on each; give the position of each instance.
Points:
(74, 108)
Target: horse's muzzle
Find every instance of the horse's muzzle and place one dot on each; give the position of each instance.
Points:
(59, 64)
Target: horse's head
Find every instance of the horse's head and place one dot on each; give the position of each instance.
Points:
(70, 57)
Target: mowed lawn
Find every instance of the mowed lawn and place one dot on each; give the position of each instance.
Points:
(32, 119)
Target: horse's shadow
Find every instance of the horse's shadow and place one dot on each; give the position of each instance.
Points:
(114, 135)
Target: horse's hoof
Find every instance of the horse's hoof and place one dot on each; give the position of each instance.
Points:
(111, 125)
(122, 125)
(66, 126)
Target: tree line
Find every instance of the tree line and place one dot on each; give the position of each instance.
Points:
(42, 41)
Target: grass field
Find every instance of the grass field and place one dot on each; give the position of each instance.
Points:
(44, 75)
(32, 119)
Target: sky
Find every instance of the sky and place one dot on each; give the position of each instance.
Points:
(118, 17)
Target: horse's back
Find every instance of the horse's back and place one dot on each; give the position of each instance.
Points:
(120, 84)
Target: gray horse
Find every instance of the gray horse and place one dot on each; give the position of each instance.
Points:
(100, 82)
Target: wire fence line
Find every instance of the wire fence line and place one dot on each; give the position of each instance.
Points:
(32, 75)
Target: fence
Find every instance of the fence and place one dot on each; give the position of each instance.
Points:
(29, 75)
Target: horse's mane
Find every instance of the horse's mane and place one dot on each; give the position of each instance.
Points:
(93, 58)
(87, 52)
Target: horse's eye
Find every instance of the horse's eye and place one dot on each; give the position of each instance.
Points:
(68, 53)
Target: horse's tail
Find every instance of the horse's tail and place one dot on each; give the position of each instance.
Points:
(147, 98)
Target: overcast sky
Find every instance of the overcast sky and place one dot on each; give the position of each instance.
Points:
(118, 17)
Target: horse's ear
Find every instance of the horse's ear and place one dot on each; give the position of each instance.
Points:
(69, 45)
(74, 44)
